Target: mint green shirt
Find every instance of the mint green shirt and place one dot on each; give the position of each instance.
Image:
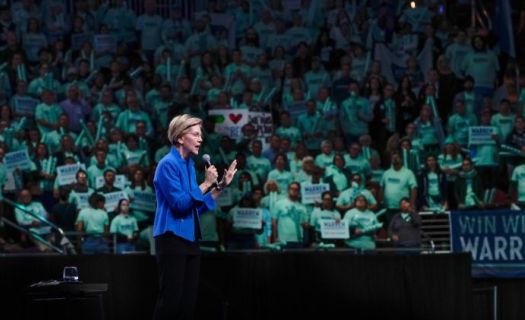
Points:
(283, 179)
(518, 176)
(319, 214)
(124, 224)
(361, 220)
(94, 220)
(289, 215)
(458, 127)
(49, 113)
(397, 184)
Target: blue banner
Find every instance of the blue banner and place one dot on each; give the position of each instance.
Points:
(494, 238)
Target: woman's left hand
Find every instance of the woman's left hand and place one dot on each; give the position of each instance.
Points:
(229, 174)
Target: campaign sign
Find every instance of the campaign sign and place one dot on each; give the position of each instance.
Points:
(330, 229)
(78, 40)
(494, 238)
(481, 135)
(105, 43)
(144, 201)
(25, 105)
(120, 181)
(17, 159)
(66, 174)
(230, 122)
(311, 193)
(225, 198)
(262, 122)
(112, 200)
(247, 218)
(82, 199)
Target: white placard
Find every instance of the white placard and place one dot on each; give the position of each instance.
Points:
(330, 229)
(247, 218)
(311, 193)
(82, 200)
(481, 135)
(120, 181)
(229, 122)
(225, 198)
(25, 105)
(144, 201)
(66, 174)
(112, 200)
(17, 159)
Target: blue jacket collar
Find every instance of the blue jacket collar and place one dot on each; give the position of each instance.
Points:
(179, 158)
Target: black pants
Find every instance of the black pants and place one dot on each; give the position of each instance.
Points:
(178, 263)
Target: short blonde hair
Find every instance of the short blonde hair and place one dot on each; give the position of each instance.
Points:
(179, 125)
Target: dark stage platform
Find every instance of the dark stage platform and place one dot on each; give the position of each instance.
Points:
(265, 285)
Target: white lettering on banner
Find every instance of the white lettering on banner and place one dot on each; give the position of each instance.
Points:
(247, 218)
(331, 229)
(310, 193)
(482, 248)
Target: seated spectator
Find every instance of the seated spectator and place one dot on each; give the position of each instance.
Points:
(405, 228)
(326, 157)
(346, 199)
(30, 222)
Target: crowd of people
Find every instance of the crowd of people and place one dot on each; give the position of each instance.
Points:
(93, 90)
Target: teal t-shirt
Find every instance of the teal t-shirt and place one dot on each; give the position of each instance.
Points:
(289, 215)
(518, 176)
(319, 214)
(362, 220)
(124, 224)
(397, 184)
(94, 220)
(283, 179)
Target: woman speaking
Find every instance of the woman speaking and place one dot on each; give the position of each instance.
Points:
(180, 201)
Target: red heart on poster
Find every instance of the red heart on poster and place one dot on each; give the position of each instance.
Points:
(235, 118)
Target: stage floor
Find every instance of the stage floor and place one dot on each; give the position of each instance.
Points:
(266, 285)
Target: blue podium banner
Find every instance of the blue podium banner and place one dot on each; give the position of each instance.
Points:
(494, 238)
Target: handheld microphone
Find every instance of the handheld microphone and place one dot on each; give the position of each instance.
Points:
(206, 157)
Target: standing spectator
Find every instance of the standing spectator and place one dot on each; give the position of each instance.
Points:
(289, 217)
(482, 65)
(125, 227)
(397, 183)
(326, 211)
(93, 223)
(355, 114)
(468, 187)
(363, 224)
(281, 174)
(459, 123)
(76, 108)
(405, 228)
(503, 120)
(149, 25)
(432, 193)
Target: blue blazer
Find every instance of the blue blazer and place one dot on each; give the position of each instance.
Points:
(178, 197)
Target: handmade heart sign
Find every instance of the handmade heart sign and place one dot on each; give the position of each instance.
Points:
(235, 118)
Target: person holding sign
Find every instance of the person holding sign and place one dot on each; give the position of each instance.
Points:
(180, 201)
(326, 211)
(363, 223)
